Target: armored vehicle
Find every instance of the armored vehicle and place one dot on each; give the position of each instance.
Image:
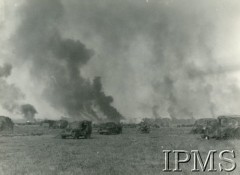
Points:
(78, 129)
(110, 128)
(200, 124)
(226, 127)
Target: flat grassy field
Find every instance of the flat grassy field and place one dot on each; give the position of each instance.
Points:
(34, 150)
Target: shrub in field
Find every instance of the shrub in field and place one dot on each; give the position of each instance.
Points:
(6, 124)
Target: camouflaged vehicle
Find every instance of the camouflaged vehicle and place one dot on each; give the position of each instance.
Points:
(110, 128)
(144, 128)
(225, 127)
(200, 125)
(78, 129)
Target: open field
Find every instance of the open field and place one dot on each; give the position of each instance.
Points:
(42, 152)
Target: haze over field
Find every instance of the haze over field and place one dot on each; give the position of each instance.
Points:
(161, 58)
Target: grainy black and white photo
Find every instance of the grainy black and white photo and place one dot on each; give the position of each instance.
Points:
(112, 87)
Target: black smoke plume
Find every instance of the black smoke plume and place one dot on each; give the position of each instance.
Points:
(105, 101)
(57, 62)
(5, 70)
(28, 112)
(163, 53)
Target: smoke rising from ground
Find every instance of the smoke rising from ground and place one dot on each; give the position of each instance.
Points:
(155, 111)
(28, 112)
(169, 54)
(9, 93)
(11, 96)
(57, 61)
(161, 53)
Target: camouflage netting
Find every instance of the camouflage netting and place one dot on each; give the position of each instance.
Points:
(6, 124)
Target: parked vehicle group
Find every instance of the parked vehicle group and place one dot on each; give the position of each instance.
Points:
(222, 127)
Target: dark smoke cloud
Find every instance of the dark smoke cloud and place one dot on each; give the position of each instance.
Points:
(161, 53)
(57, 63)
(157, 53)
(5, 70)
(10, 94)
(104, 101)
(28, 112)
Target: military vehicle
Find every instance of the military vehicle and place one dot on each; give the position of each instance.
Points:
(200, 124)
(144, 127)
(110, 128)
(78, 129)
(226, 127)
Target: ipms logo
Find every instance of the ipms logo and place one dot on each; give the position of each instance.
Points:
(199, 164)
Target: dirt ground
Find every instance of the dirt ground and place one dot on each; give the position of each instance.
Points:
(34, 150)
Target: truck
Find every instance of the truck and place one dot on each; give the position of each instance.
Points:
(200, 125)
(110, 128)
(77, 130)
(227, 126)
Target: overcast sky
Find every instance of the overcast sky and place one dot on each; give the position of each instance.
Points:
(168, 58)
